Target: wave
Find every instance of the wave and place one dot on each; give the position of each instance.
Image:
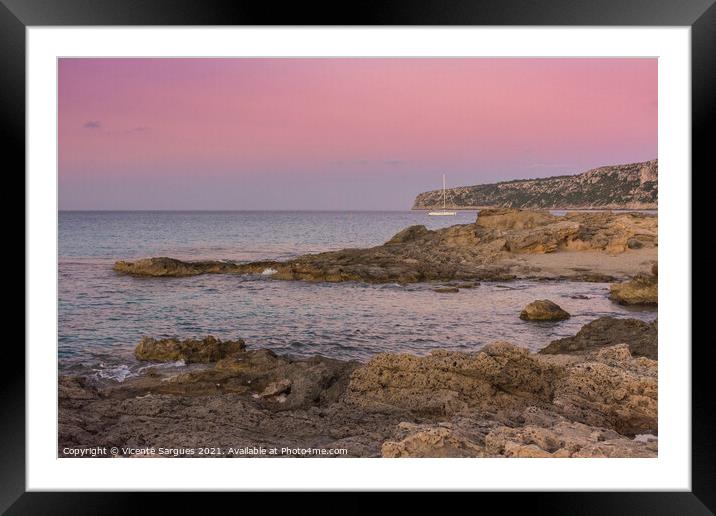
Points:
(119, 373)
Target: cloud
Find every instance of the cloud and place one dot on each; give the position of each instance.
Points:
(92, 124)
(140, 129)
(394, 162)
(550, 165)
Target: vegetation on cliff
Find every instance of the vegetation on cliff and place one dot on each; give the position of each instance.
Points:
(630, 186)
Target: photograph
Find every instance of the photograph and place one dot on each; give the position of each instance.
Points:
(357, 257)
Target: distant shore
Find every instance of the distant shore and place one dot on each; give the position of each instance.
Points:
(569, 208)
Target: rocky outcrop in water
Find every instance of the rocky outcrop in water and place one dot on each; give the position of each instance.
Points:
(492, 248)
(499, 402)
(630, 186)
(639, 336)
(543, 310)
(171, 267)
(209, 349)
(642, 289)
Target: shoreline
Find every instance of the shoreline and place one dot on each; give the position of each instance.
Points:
(487, 249)
(501, 401)
(591, 394)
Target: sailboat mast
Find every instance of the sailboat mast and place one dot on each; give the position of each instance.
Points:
(444, 192)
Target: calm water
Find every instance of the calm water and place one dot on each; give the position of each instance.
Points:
(103, 315)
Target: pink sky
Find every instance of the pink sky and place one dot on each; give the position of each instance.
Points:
(338, 133)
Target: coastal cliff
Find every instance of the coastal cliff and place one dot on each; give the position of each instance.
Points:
(629, 186)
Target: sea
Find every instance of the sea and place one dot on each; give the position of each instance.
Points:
(102, 315)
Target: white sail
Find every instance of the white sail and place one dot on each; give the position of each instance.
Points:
(444, 211)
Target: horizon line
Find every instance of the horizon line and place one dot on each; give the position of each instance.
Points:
(245, 210)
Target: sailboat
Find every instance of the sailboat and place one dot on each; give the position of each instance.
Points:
(442, 212)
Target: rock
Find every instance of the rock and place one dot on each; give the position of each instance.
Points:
(641, 337)
(565, 439)
(170, 267)
(446, 290)
(622, 448)
(161, 266)
(501, 401)
(513, 219)
(276, 388)
(545, 439)
(599, 391)
(544, 239)
(611, 390)
(75, 388)
(634, 243)
(209, 349)
(543, 310)
(317, 380)
(595, 277)
(642, 289)
(501, 376)
(436, 442)
(409, 234)
(490, 249)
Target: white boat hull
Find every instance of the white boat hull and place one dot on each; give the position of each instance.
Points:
(443, 212)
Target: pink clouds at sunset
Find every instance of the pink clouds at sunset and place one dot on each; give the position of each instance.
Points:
(338, 133)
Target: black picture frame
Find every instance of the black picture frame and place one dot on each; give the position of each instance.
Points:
(700, 15)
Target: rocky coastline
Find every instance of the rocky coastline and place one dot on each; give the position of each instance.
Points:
(501, 245)
(592, 395)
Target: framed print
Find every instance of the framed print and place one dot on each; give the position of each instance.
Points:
(417, 250)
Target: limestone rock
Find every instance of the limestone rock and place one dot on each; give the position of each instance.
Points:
(436, 442)
(642, 289)
(489, 249)
(543, 310)
(565, 439)
(208, 349)
(611, 390)
(545, 239)
(75, 388)
(161, 266)
(409, 234)
(513, 219)
(501, 376)
(619, 448)
(556, 439)
(276, 388)
(502, 401)
(641, 337)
